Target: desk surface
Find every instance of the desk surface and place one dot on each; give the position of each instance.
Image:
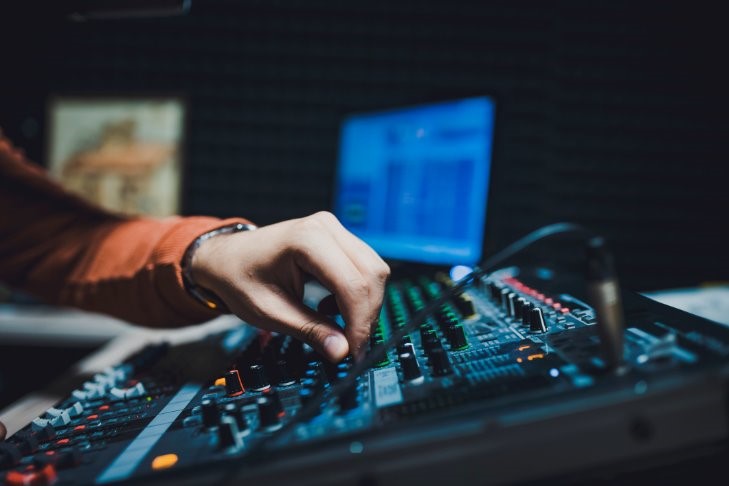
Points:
(711, 302)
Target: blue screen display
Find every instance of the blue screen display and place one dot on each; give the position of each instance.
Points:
(413, 182)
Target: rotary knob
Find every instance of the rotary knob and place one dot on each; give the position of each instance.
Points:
(210, 413)
(259, 380)
(537, 323)
(439, 362)
(269, 413)
(228, 433)
(233, 384)
(410, 367)
(349, 399)
(457, 337)
(285, 377)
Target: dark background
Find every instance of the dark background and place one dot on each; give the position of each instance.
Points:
(613, 114)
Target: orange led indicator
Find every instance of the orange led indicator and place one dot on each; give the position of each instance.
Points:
(103, 407)
(92, 417)
(532, 357)
(220, 382)
(164, 461)
(522, 348)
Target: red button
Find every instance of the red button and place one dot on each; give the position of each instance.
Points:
(44, 477)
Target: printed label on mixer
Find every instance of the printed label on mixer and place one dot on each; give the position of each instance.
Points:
(387, 387)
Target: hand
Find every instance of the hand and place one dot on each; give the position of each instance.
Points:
(3, 431)
(260, 276)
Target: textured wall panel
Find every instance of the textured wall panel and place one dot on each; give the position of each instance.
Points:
(609, 113)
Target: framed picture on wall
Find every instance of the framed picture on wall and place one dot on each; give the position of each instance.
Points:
(123, 153)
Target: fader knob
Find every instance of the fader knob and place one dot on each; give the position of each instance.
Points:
(537, 323)
(210, 413)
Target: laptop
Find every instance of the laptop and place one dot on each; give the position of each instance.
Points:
(413, 182)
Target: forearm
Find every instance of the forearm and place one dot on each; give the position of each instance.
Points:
(132, 270)
(68, 252)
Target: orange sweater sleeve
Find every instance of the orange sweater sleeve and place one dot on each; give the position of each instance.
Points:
(69, 252)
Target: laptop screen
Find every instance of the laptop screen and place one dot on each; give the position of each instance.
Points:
(413, 182)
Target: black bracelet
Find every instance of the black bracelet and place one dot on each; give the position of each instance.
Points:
(210, 300)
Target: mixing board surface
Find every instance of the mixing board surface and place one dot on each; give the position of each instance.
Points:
(502, 372)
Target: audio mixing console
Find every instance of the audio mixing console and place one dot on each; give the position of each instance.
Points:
(504, 382)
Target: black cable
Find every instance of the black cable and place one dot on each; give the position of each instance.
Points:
(312, 408)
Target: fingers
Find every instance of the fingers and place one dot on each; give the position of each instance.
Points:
(321, 256)
(3, 431)
(277, 310)
(242, 268)
(371, 267)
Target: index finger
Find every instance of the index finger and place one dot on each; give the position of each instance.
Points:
(321, 256)
(373, 269)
